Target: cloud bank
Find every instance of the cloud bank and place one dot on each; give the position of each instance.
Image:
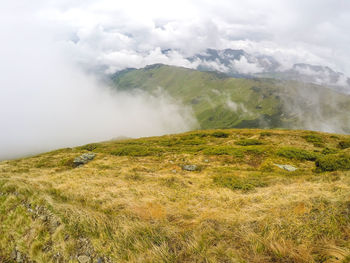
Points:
(47, 102)
(47, 99)
(119, 34)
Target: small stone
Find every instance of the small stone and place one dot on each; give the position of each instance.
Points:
(100, 260)
(84, 259)
(19, 258)
(174, 171)
(190, 167)
(286, 167)
(206, 161)
(14, 254)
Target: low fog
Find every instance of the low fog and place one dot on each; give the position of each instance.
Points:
(48, 102)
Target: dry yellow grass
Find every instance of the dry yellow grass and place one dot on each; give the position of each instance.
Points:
(135, 203)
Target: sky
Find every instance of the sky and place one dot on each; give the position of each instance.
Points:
(120, 34)
(50, 99)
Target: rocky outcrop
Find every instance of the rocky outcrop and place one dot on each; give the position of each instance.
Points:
(83, 159)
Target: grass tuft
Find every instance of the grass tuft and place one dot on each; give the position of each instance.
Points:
(333, 162)
(240, 183)
(297, 154)
(344, 144)
(246, 142)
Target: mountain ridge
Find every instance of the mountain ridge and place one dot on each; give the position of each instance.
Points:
(200, 196)
(239, 63)
(220, 101)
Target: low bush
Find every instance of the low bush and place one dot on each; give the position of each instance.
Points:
(246, 142)
(333, 162)
(223, 150)
(135, 150)
(262, 134)
(194, 136)
(195, 141)
(315, 139)
(344, 144)
(327, 150)
(88, 147)
(296, 153)
(239, 183)
(220, 134)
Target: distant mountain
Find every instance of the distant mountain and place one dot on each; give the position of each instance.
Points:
(220, 101)
(313, 74)
(234, 62)
(238, 63)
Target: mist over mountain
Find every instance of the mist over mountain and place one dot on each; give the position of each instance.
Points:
(54, 54)
(220, 101)
(238, 63)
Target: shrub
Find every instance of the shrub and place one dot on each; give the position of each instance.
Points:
(239, 183)
(223, 150)
(135, 150)
(220, 134)
(344, 144)
(194, 136)
(296, 153)
(333, 162)
(262, 134)
(67, 162)
(327, 150)
(195, 141)
(315, 139)
(88, 147)
(246, 142)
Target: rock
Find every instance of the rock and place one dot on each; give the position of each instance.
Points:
(83, 159)
(206, 161)
(84, 259)
(190, 167)
(19, 257)
(100, 260)
(14, 254)
(286, 167)
(174, 171)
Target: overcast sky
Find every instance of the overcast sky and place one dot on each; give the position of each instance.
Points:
(47, 101)
(132, 33)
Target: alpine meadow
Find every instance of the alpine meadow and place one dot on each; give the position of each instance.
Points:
(175, 131)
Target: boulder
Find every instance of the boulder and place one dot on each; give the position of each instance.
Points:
(83, 159)
(286, 167)
(190, 167)
(84, 259)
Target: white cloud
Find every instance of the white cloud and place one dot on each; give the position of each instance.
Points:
(291, 30)
(243, 66)
(47, 102)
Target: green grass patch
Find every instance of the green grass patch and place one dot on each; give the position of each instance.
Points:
(266, 133)
(344, 144)
(315, 139)
(240, 183)
(89, 147)
(333, 162)
(327, 150)
(136, 150)
(246, 142)
(220, 134)
(297, 154)
(223, 150)
(237, 152)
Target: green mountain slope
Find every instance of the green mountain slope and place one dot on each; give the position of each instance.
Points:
(219, 101)
(201, 196)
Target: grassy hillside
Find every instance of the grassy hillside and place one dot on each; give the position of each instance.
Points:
(136, 202)
(219, 101)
